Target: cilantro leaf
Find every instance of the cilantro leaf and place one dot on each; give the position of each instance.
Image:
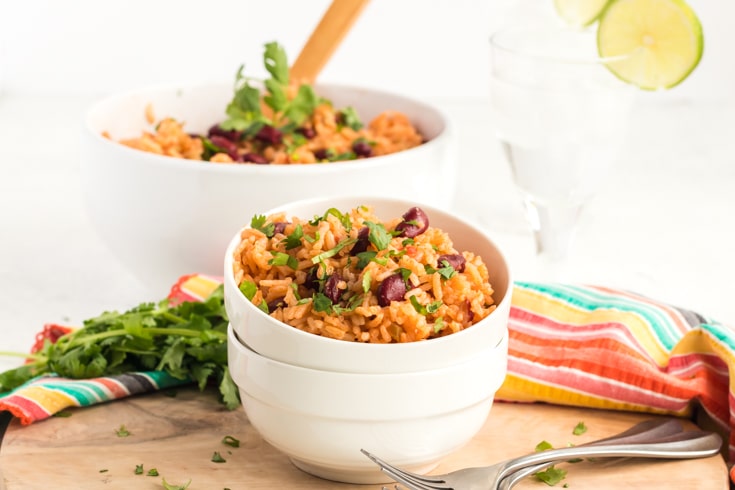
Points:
(551, 475)
(302, 105)
(378, 235)
(280, 258)
(259, 222)
(248, 289)
(348, 117)
(579, 429)
(321, 302)
(217, 458)
(543, 446)
(293, 240)
(276, 62)
(230, 441)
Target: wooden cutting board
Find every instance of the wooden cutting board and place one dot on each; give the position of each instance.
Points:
(178, 436)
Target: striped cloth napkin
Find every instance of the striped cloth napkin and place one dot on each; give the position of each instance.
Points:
(583, 346)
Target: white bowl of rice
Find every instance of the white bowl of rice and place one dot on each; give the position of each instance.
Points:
(164, 216)
(322, 419)
(441, 315)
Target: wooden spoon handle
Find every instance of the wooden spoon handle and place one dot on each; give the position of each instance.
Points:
(330, 31)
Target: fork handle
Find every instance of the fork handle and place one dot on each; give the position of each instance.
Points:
(682, 445)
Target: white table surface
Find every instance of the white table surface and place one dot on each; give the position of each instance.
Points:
(663, 227)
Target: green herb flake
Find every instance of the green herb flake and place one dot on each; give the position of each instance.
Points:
(446, 271)
(364, 258)
(248, 289)
(551, 475)
(152, 472)
(169, 486)
(258, 222)
(579, 429)
(322, 303)
(348, 117)
(366, 280)
(332, 251)
(138, 469)
(378, 235)
(281, 258)
(543, 446)
(405, 274)
(104, 470)
(230, 441)
(438, 324)
(122, 432)
(407, 241)
(217, 458)
(293, 240)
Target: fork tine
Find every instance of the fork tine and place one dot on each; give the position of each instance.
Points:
(412, 480)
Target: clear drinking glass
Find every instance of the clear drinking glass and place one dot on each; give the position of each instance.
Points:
(561, 118)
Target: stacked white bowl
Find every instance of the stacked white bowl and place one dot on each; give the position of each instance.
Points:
(320, 400)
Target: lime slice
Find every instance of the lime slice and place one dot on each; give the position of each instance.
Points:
(658, 42)
(580, 13)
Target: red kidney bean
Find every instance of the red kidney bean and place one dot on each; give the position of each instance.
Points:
(331, 290)
(231, 134)
(225, 144)
(393, 288)
(414, 223)
(280, 226)
(362, 148)
(457, 261)
(323, 154)
(269, 134)
(276, 303)
(470, 313)
(362, 242)
(312, 279)
(254, 158)
(307, 133)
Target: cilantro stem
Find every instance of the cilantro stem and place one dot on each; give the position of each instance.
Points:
(35, 357)
(120, 332)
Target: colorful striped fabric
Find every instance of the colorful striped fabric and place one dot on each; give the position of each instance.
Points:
(42, 397)
(574, 345)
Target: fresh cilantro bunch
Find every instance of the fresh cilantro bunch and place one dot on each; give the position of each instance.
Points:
(188, 341)
(245, 111)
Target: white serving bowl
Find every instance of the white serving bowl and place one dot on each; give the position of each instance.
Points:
(276, 340)
(164, 217)
(321, 419)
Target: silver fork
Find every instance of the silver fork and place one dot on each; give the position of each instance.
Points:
(652, 439)
(645, 431)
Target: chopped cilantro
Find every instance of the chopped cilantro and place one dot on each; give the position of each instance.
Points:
(138, 469)
(366, 280)
(405, 274)
(168, 486)
(438, 324)
(293, 240)
(217, 458)
(579, 429)
(258, 222)
(424, 310)
(378, 235)
(152, 472)
(280, 258)
(322, 303)
(407, 241)
(446, 271)
(352, 303)
(230, 441)
(551, 475)
(348, 117)
(364, 258)
(332, 251)
(122, 432)
(248, 289)
(543, 446)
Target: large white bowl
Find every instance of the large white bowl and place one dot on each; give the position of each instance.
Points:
(164, 217)
(321, 419)
(282, 342)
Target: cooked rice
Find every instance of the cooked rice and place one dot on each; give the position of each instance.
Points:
(389, 132)
(448, 304)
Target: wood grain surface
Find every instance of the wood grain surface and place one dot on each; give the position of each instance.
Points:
(178, 436)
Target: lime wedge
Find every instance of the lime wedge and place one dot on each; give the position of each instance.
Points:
(657, 42)
(580, 13)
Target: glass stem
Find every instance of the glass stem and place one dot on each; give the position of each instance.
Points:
(553, 227)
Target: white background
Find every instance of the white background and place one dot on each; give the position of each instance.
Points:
(420, 47)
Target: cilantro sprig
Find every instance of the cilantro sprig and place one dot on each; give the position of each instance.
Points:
(188, 341)
(245, 112)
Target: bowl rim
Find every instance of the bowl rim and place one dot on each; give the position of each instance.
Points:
(298, 169)
(356, 346)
